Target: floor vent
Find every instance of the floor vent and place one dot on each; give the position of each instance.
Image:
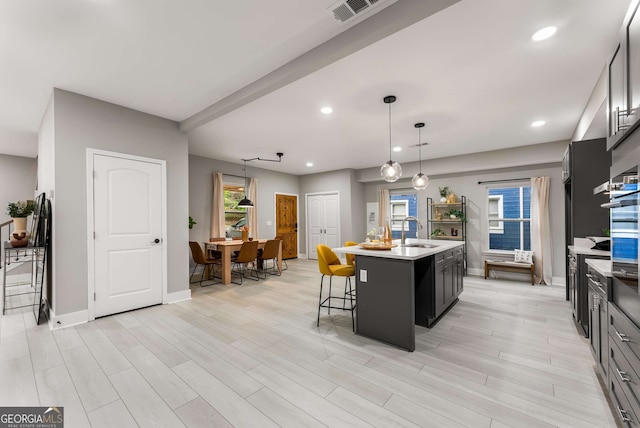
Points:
(346, 10)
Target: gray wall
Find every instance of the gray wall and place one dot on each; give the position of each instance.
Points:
(79, 123)
(477, 234)
(201, 193)
(352, 204)
(18, 178)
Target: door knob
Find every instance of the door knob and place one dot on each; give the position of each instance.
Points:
(156, 241)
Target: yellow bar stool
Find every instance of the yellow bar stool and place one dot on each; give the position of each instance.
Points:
(329, 265)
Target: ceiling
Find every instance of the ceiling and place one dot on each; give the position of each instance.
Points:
(248, 78)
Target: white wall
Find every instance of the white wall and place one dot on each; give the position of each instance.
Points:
(79, 123)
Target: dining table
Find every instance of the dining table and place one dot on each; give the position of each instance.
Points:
(227, 248)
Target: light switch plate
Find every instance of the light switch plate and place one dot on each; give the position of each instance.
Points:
(363, 275)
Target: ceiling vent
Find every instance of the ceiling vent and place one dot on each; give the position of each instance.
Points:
(346, 10)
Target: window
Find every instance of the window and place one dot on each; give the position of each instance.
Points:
(399, 210)
(403, 203)
(234, 217)
(509, 218)
(496, 211)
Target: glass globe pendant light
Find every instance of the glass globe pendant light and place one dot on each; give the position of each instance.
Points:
(391, 170)
(420, 181)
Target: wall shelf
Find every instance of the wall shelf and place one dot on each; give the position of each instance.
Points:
(453, 229)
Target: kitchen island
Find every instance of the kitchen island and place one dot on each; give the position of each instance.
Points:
(407, 285)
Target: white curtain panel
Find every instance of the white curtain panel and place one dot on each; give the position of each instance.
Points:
(217, 207)
(541, 230)
(383, 206)
(252, 213)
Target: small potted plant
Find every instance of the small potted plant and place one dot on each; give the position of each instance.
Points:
(456, 215)
(437, 232)
(19, 211)
(191, 222)
(444, 192)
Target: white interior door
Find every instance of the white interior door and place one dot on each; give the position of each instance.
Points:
(323, 217)
(332, 220)
(315, 216)
(128, 240)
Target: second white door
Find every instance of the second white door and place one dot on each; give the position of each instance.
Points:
(323, 214)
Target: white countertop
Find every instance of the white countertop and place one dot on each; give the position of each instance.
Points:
(588, 251)
(404, 253)
(603, 267)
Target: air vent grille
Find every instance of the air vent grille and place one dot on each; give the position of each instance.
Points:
(358, 5)
(346, 10)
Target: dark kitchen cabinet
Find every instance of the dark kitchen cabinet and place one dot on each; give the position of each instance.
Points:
(448, 280)
(598, 320)
(579, 288)
(587, 164)
(624, 366)
(624, 81)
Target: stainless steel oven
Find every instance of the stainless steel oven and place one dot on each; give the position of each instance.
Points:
(624, 243)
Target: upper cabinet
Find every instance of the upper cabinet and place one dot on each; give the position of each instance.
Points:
(624, 82)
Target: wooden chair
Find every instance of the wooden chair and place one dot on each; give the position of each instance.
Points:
(270, 252)
(247, 255)
(329, 265)
(215, 253)
(200, 259)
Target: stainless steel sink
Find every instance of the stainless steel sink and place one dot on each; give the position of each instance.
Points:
(419, 245)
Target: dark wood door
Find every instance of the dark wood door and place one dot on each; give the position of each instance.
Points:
(287, 224)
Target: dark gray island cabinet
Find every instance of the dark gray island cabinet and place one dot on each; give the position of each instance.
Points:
(405, 286)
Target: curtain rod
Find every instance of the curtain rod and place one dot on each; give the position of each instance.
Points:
(232, 175)
(504, 181)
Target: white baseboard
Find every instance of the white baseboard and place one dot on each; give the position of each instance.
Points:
(475, 272)
(67, 320)
(178, 296)
(302, 256)
(559, 280)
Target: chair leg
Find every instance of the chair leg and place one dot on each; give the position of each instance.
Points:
(329, 304)
(320, 301)
(192, 272)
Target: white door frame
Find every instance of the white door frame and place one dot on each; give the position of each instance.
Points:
(306, 214)
(91, 286)
(275, 217)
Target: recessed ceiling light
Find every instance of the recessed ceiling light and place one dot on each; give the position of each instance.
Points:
(544, 34)
(538, 123)
(397, 149)
(326, 110)
(309, 164)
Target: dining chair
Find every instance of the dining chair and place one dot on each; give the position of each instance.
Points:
(247, 255)
(284, 262)
(329, 265)
(200, 259)
(270, 252)
(216, 253)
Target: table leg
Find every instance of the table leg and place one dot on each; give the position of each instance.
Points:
(226, 265)
(280, 257)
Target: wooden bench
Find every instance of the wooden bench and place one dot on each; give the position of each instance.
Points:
(506, 266)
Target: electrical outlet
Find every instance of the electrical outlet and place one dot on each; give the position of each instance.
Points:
(363, 275)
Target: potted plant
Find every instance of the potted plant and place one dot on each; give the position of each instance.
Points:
(444, 192)
(191, 222)
(456, 215)
(19, 211)
(437, 232)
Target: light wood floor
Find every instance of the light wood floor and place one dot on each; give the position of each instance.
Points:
(507, 355)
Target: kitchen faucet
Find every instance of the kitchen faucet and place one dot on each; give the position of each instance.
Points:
(403, 238)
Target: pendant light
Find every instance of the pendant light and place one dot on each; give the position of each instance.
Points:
(245, 202)
(391, 170)
(420, 181)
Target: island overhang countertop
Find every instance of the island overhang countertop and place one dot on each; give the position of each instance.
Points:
(429, 247)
